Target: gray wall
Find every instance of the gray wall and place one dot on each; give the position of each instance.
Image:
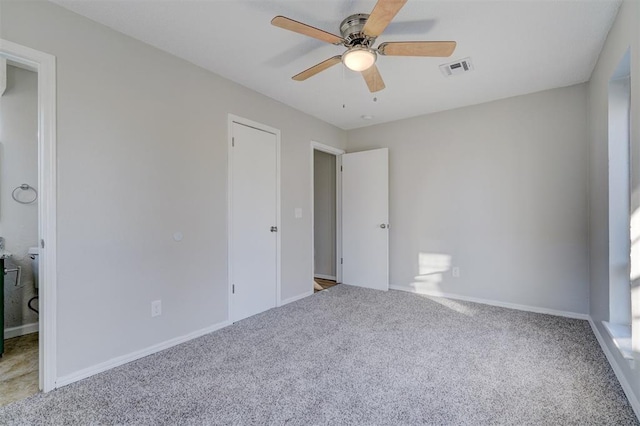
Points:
(142, 139)
(498, 190)
(18, 165)
(324, 191)
(624, 34)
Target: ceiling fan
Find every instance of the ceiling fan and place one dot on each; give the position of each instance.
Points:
(359, 33)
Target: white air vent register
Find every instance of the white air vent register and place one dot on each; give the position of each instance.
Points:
(458, 67)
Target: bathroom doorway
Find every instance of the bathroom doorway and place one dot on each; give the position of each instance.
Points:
(325, 165)
(27, 222)
(19, 232)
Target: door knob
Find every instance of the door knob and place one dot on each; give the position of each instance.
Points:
(274, 229)
(384, 225)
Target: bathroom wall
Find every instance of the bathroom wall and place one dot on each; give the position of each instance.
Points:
(18, 165)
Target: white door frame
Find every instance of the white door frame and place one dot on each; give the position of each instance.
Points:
(250, 123)
(337, 152)
(45, 65)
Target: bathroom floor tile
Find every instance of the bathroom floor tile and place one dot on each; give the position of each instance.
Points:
(19, 368)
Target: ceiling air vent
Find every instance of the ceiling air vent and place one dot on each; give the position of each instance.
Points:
(458, 67)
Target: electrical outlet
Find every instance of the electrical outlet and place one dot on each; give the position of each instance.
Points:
(156, 308)
(455, 272)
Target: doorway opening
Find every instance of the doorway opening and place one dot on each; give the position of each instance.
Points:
(326, 218)
(18, 232)
(27, 222)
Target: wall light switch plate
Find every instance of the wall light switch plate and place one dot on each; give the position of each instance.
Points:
(298, 213)
(156, 308)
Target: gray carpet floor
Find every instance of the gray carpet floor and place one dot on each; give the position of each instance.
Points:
(354, 356)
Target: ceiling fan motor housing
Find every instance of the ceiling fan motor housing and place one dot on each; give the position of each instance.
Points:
(351, 30)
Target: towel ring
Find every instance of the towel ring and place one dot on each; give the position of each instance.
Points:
(24, 187)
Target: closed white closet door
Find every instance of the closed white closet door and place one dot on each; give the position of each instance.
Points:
(253, 253)
(365, 219)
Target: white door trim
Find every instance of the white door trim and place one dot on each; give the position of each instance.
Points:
(246, 122)
(45, 65)
(317, 146)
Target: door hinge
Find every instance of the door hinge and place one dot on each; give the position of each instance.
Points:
(340, 168)
(42, 243)
(341, 261)
(233, 142)
(233, 289)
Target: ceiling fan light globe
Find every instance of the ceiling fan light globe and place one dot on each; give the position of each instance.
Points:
(359, 59)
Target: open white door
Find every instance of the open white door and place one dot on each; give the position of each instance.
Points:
(365, 219)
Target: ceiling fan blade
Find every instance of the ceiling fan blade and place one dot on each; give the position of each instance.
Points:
(383, 12)
(418, 48)
(373, 78)
(308, 30)
(317, 68)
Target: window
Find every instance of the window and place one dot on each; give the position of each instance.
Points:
(624, 236)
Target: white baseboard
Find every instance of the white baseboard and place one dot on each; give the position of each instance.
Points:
(626, 387)
(294, 298)
(115, 362)
(527, 308)
(20, 330)
(325, 277)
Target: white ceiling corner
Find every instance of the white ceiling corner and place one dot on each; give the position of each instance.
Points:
(517, 47)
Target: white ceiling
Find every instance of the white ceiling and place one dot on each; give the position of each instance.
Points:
(517, 47)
